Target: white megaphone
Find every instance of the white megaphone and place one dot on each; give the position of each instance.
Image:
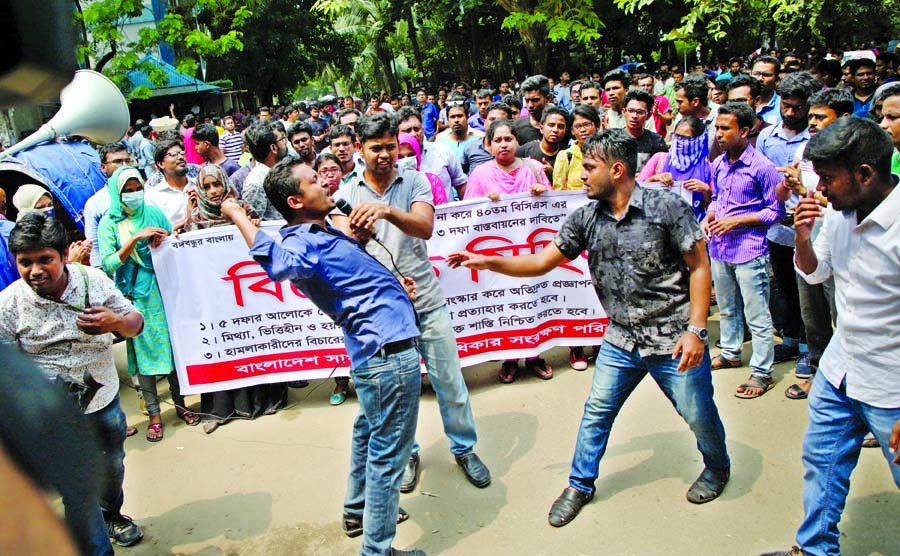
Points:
(92, 106)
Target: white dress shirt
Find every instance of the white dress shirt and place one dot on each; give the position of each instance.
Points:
(864, 259)
(171, 201)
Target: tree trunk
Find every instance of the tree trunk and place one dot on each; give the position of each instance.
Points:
(414, 39)
(534, 40)
(386, 59)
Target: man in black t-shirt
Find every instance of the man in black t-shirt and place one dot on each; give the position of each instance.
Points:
(554, 131)
(638, 104)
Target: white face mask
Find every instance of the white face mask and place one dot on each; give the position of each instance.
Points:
(133, 200)
(405, 164)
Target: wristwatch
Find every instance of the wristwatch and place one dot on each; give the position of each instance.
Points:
(700, 333)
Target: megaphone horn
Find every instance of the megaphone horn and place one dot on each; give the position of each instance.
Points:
(92, 106)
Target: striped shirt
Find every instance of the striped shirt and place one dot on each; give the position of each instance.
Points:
(231, 144)
(745, 187)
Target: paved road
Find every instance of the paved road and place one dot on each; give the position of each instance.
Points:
(274, 486)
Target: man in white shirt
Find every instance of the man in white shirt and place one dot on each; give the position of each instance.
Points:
(858, 387)
(171, 195)
(112, 157)
(268, 145)
(437, 158)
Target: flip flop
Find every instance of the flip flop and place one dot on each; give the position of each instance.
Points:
(337, 398)
(156, 428)
(720, 362)
(539, 367)
(508, 371)
(189, 417)
(795, 392)
(756, 382)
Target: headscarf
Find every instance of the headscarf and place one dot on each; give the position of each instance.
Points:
(27, 196)
(207, 210)
(408, 139)
(128, 223)
(689, 159)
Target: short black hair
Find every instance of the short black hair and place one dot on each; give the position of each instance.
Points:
(553, 110)
(376, 126)
(695, 86)
(857, 63)
(189, 120)
(484, 93)
(616, 75)
(260, 137)
(108, 148)
(336, 118)
(497, 124)
(801, 84)
(280, 184)
(640, 95)
(407, 112)
(769, 60)
(162, 147)
(746, 81)
(537, 83)
(512, 101)
(587, 112)
(299, 127)
(502, 106)
(851, 142)
(839, 100)
(37, 230)
(744, 114)
(696, 124)
(207, 132)
(326, 156)
(611, 146)
(339, 130)
(592, 85)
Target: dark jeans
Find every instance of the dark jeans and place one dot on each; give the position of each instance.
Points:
(819, 315)
(782, 259)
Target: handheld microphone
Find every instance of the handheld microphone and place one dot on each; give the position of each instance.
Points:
(343, 206)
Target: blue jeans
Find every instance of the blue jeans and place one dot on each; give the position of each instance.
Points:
(438, 346)
(749, 282)
(617, 373)
(89, 523)
(388, 389)
(837, 426)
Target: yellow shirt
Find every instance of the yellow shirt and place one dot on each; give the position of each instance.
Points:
(567, 170)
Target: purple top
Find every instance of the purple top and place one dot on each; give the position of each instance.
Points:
(745, 187)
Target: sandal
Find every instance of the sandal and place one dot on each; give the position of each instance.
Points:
(189, 417)
(720, 362)
(130, 431)
(539, 367)
(157, 430)
(508, 371)
(796, 392)
(763, 384)
(353, 528)
(566, 507)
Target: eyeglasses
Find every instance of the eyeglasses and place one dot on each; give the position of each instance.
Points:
(762, 74)
(176, 154)
(128, 161)
(636, 112)
(330, 170)
(579, 127)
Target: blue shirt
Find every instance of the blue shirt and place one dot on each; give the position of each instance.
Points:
(771, 112)
(775, 145)
(430, 115)
(9, 271)
(346, 283)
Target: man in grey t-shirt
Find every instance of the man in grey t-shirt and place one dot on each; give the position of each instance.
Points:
(393, 215)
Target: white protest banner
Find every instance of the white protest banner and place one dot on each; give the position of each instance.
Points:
(233, 327)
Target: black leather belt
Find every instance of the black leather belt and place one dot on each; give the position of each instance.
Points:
(391, 348)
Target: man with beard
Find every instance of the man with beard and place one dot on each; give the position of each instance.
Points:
(862, 75)
(171, 194)
(615, 84)
(661, 332)
(554, 128)
(459, 135)
(590, 93)
(300, 137)
(779, 144)
(536, 97)
(766, 69)
(268, 145)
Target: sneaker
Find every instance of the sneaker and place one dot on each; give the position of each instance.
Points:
(577, 360)
(124, 531)
(785, 353)
(804, 369)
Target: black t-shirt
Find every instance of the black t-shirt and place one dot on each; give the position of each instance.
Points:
(526, 132)
(533, 150)
(649, 143)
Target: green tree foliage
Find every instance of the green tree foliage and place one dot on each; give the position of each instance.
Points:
(195, 29)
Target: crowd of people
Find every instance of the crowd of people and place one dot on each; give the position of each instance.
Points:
(764, 187)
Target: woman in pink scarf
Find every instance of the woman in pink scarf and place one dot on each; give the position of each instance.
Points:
(409, 156)
(508, 174)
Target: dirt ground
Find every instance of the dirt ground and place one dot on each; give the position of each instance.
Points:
(274, 486)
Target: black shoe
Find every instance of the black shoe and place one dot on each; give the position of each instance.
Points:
(410, 474)
(785, 353)
(298, 384)
(567, 506)
(124, 531)
(413, 552)
(708, 486)
(476, 471)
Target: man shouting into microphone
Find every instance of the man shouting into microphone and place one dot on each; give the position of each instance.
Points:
(379, 323)
(649, 266)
